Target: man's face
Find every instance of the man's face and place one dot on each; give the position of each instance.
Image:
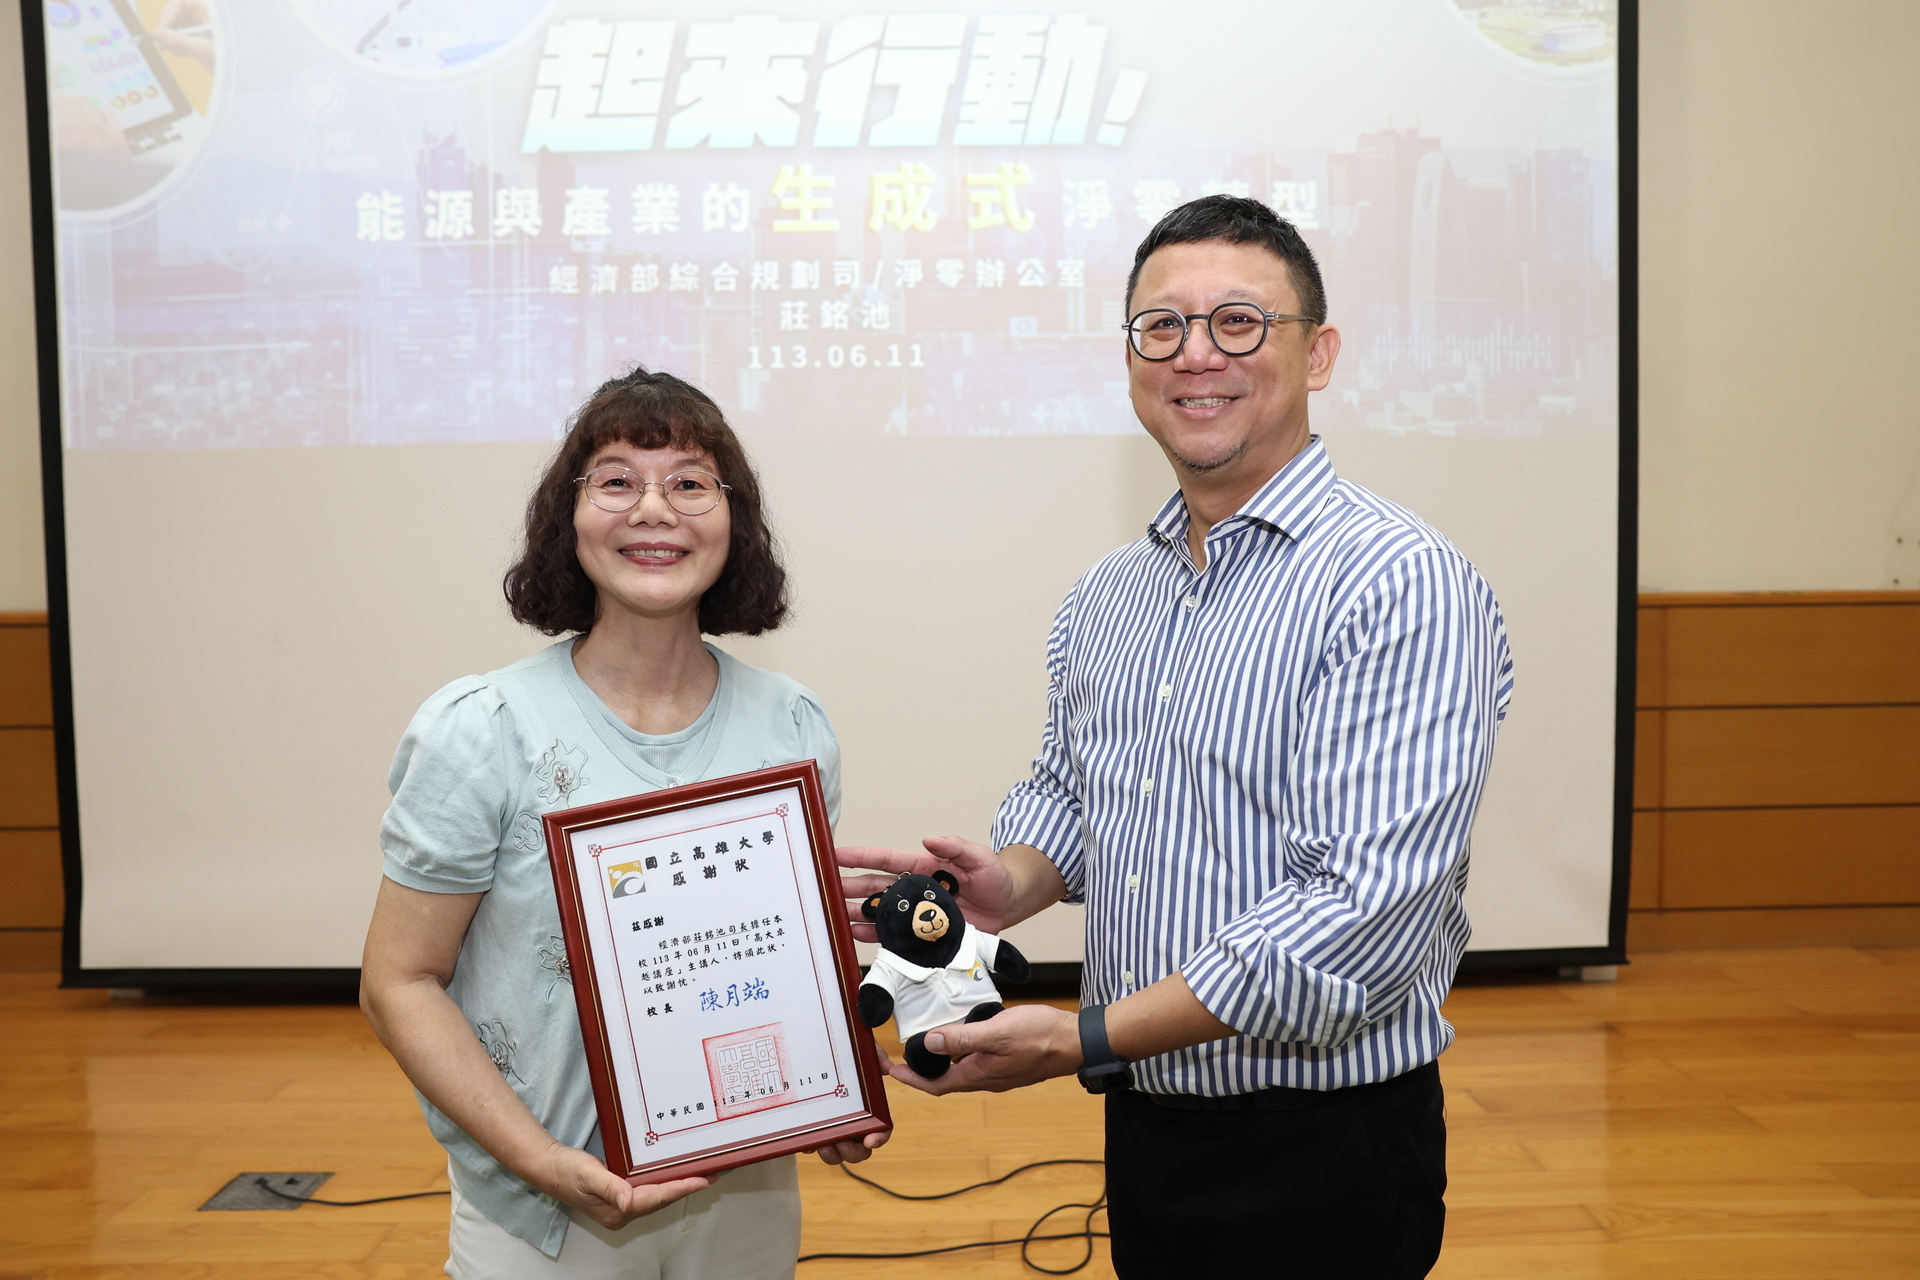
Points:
(1211, 412)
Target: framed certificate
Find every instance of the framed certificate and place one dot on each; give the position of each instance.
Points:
(715, 974)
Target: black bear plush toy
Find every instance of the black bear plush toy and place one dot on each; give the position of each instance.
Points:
(932, 967)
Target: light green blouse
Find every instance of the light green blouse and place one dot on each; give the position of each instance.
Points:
(482, 760)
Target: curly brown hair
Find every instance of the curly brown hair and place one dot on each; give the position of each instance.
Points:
(547, 589)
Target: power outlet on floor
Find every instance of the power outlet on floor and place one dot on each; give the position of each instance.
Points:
(251, 1191)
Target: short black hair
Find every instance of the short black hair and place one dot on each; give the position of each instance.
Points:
(1238, 220)
(548, 590)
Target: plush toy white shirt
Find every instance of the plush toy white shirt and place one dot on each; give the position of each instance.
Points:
(926, 998)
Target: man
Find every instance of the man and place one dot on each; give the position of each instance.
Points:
(1269, 724)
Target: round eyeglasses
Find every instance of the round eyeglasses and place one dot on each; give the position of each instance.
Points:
(691, 493)
(1237, 329)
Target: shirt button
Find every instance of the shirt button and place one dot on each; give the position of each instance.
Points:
(1166, 691)
(1133, 883)
(1128, 975)
(1192, 602)
(1146, 788)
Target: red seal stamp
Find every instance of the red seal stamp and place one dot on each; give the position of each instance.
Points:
(748, 1070)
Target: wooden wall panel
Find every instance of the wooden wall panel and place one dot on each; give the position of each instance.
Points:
(30, 864)
(1792, 655)
(1778, 780)
(27, 786)
(1773, 927)
(1649, 742)
(32, 896)
(1789, 857)
(1737, 758)
(1650, 659)
(26, 689)
(29, 951)
(1647, 857)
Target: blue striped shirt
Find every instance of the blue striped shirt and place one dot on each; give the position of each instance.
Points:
(1262, 775)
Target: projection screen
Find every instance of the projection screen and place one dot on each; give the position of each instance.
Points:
(323, 279)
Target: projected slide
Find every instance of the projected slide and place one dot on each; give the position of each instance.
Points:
(333, 222)
(333, 273)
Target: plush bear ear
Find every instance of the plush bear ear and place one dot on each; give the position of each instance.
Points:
(946, 881)
(871, 907)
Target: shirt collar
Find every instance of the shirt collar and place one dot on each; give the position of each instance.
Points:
(1285, 504)
(963, 959)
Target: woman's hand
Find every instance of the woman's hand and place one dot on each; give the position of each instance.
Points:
(412, 947)
(996, 889)
(579, 1181)
(854, 1150)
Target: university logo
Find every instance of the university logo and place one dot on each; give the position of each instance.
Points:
(627, 879)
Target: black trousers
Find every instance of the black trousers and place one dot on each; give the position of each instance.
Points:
(1346, 1186)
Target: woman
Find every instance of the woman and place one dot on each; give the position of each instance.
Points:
(645, 532)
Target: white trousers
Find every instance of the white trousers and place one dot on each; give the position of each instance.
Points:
(746, 1226)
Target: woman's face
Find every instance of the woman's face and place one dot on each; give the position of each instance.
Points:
(652, 560)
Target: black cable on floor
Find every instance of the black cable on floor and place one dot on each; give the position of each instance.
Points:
(945, 1195)
(1026, 1242)
(272, 1190)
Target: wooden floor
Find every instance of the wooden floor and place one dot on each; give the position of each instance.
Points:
(1724, 1114)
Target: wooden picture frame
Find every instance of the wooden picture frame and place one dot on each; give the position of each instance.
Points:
(715, 974)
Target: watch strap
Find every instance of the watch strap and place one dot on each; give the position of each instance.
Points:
(1100, 1071)
(1094, 1049)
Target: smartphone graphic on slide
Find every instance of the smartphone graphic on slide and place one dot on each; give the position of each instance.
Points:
(99, 50)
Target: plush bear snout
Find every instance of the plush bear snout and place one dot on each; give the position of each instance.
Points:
(929, 922)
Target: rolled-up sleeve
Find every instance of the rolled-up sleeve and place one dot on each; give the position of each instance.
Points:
(1044, 809)
(1394, 743)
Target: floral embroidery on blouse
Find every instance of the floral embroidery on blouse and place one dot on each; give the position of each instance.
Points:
(561, 771)
(500, 1048)
(553, 958)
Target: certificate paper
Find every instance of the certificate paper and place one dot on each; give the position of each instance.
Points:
(715, 974)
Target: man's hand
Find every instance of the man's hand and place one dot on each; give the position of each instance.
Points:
(1017, 1047)
(576, 1179)
(987, 895)
(996, 889)
(1029, 1043)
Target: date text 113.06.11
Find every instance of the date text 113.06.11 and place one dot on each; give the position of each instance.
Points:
(798, 355)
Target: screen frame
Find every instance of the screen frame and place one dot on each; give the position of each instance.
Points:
(1627, 583)
(52, 443)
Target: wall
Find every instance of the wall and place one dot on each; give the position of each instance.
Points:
(23, 584)
(1779, 166)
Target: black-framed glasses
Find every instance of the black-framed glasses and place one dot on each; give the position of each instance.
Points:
(1237, 329)
(691, 493)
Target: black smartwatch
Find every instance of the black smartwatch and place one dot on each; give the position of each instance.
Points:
(1100, 1071)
